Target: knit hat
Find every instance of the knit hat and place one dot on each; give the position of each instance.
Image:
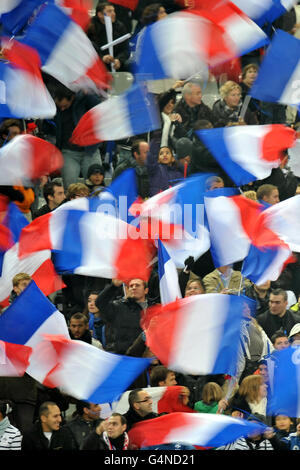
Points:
(95, 168)
(184, 147)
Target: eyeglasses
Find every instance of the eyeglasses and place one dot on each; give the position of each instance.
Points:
(145, 400)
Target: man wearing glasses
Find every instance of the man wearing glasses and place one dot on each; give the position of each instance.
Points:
(140, 407)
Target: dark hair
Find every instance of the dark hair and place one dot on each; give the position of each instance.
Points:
(133, 396)
(164, 98)
(80, 405)
(122, 417)
(158, 374)
(280, 292)
(278, 334)
(101, 6)
(48, 189)
(248, 67)
(79, 316)
(265, 190)
(4, 129)
(62, 92)
(150, 13)
(136, 146)
(44, 408)
(5, 407)
(86, 310)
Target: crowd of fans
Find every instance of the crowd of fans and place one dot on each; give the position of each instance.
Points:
(105, 312)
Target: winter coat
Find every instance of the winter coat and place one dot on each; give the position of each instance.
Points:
(34, 439)
(80, 429)
(272, 323)
(141, 172)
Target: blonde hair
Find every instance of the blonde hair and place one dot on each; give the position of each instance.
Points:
(249, 388)
(228, 87)
(20, 277)
(250, 195)
(211, 392)
(77, 188)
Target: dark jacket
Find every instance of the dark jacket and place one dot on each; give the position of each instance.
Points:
(272, 323)
(261, 304)
(81, 429)
(132, 417)
(123, 314)
(141, 172)
(190, 116)
(81, 104)
(96, 442)
(34, 439)
(161, 177)
(45, 209)
(97, 35)
(222, 114)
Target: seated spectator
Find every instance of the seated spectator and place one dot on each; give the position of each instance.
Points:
(267, 195)
(140, 407)
(163, 170)
(228, 108)
(54, 195)
(113, 437)
(224, 280)
(214, 182)
(249, 74)
(194, 287)
(161, 376)
(95, 177)
(292, 441)
(76, 190)
(19, 282)
(251, 396)
(97, 34)
(261, 294)
(251, 195)
(46, 433)
(98, 328)
(283, 425)
(79, 330)
(212, 399)
(84, 423)
(280, 340)
(9, 129)
(191, 109)
(10, 436)
(137, 160)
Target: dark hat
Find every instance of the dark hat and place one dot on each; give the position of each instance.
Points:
(184, 147)
(164, 98)
(257, 418)
(95, 168)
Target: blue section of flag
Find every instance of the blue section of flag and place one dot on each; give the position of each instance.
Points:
(215, 142)
(277, 68)
(142, 110)
(124, 190)
(5, 111)
(27, 313)
(163, 257)
(275, 11)
(14, 21)
(147, 65)
(257, 262)
(120, 378)
(46, 31)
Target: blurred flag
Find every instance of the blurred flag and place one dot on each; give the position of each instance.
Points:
(248, 153)
(132, 113)
(78, 10)
(264, 12)
(168, 276)
(16, 14)
(14, 359)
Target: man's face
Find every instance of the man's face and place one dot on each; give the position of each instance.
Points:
(78, 328)
(195, 95)
(273, 197)
(281, 343)
(52, 421)
(141, 156)
(109, 10)
(21, 286)
(58, 196)
(13, 131)
(263, 370)
(137, 290)
(114, 427)
(143, 406)
(170, 379)
(64, 103)
(93, 412)
(277, 305)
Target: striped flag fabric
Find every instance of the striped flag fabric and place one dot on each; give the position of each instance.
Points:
(264, 12)
(14, 359)
(168, 276)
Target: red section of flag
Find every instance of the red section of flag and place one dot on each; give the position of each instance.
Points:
(47, 279)
(35, 236)
(278, 139)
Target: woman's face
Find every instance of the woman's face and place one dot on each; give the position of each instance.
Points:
(194, 288)
(250, 76)
(168, 109)
(263, 390)
(232, 99)
(91, 303)
(165, 156)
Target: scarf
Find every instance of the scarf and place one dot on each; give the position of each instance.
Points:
(112, 447)
(3, 425)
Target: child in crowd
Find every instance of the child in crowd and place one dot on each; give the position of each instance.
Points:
(212, 399)
(284, 425)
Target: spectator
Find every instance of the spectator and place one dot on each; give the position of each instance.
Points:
(137, 160)
(46, 433)
(267, 194)
(114, 437)
(9, 129)
(284, 425)
(10, 437)
(161, 376)
(166, 103)
(95, 178)
(76, 190)
(292, 441)
(98, 328)
(249, 75)
(54, 195)
(277, 316)
(259, 293)
(194, 287)
(224, 280)
(280, 340)
(85, 422)
(71, 107)
(252, 396)
(79, 330)
(20, 281)
(294, 336)
(140, 407)
(97, 34)
(212, 399)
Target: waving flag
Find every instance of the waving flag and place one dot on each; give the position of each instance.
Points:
(100, 376)
(239, 229)
(131, 113)
(176, 217)
(16, 14)
(38, 265)
(168, 277)
(279, 73)
(78, 10)
(196, 335)
(131, 4)
(27, 157)
(187, 41)
(8, 5)
(264, 12)
(202, 429)
(248, 153)
(65, 51)
(88, 243)
(14, 359)
(285, 395)
(22, 90)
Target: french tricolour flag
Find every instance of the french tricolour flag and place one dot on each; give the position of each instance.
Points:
(132, 113)
(248, 153)
(65, 51)
(264, 12)
(22, 90)
(15, 14)
(186, 41)
(100, 376)
(196, 335)
(176, 217)
(168, 277)
(14, 359)
(38, 265)
(240, 230)
(78, 10)
(201, 429)
(27, 157)
(279, 74)
(88, 243)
